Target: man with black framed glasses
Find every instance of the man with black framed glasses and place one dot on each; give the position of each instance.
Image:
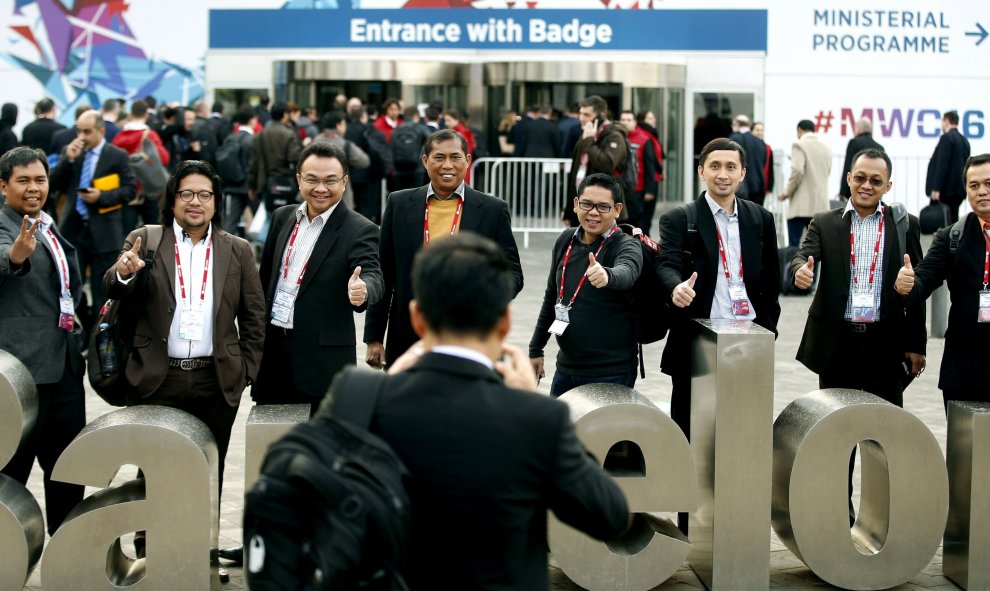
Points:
(586, 304)
(857, 314)
(319, 265)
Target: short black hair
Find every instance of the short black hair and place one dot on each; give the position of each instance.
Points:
(722, 143)
(806, 125)
(110, 105)
(187, 168)
(244, 115)
(462, 284)
(971, 162)
(432, 113)
(442, 135)
(217, 107)
(20, 156)
(331, 120)
(355, 112)
(952, 117)
(322, 148)
(389, 102)
(605, 181)
(279, 110)
(875, 154)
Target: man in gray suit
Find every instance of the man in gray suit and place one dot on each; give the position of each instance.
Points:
(40, 288)
(807, 187)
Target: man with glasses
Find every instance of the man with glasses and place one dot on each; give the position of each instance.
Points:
(415, 217)
(319, 266)
(198, 308)
(857, 314)
(592, 270)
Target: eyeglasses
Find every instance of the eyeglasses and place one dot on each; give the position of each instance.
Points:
(875, 183)
(204, 196)
(601, 207)
(328, 183)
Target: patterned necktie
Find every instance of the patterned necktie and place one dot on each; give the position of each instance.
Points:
(85, 181)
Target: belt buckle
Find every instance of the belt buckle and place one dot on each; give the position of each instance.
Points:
(858, 327)
(186, 364)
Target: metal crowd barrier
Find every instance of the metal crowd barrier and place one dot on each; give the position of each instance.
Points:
(534, 188)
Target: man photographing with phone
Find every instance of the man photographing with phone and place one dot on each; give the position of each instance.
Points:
(602, 148)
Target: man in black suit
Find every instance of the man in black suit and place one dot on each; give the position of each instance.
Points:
(718, 260)
(93, 219)
(450, 207)
(39, 133)
(856, 314)
(39, 278)
(487, 455)
(319, 266)
(755, 182)
(958, 256)
(945, 170)
(863, 140)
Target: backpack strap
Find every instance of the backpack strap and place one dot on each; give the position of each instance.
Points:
(353, 395)
(901, 223)
(152, 239)
(955, 234)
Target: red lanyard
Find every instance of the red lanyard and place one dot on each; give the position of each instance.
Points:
(453, 225)
(725, 261)
(206, 270)
(288, 255)
(986, 257)
(876, 250)
(563, 270)
(60, 256)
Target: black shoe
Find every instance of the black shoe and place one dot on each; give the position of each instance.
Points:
(234, 555)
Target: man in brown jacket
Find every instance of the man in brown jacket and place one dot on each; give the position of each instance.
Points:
(274, 153)
(602, 148)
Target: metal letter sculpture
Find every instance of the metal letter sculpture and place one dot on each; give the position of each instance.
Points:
(731, 420)
(176, 503)
(606, 415)
(265, 425)
(967, 539)
(904, 491)
(22, 526)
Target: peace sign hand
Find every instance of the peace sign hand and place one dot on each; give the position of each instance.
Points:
(25, 242)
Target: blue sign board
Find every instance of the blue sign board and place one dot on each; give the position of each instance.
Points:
(525, 29)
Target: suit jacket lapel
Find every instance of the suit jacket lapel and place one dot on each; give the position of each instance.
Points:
(281, 240)
(324, 244)
(749, 238)
(706, 230)
(222, 252)
(474, 205)
(841, 239)
(166, 254)
(890, 264)
(414, 218)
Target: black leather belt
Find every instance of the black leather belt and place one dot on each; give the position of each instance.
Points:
(190, 364)
(861, 327)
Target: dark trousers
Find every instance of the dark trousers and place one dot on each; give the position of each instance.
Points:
(276, 382)
(563, 382)
(135, 216)
(795, 227)
(883, 376)
(407, 178)
(77, 231)
(234, 207)
(649, 207)
(635, 208)
(61, 416)
(368, 199)
(680, 412)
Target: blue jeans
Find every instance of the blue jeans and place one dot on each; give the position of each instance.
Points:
(563, 382)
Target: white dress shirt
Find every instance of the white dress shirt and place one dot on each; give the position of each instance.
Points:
(309, 233)
(193, 259)
(728, 225)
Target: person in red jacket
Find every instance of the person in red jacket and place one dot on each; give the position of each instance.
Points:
(389, 119)
(646, 168)
(131, 139)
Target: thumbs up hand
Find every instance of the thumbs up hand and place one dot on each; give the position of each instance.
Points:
(130, 261)
(683, 294)
(357, 290)
(805, 275)
(905, 278)
(596, 273)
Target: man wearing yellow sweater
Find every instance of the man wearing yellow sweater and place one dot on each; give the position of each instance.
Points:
(415, 217)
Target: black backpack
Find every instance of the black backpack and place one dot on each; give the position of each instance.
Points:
(113, 333)
(649, 310)
(407, 145)
(330, 510)
(230, 165)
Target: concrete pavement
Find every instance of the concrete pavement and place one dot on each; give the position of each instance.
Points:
(791, 380)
